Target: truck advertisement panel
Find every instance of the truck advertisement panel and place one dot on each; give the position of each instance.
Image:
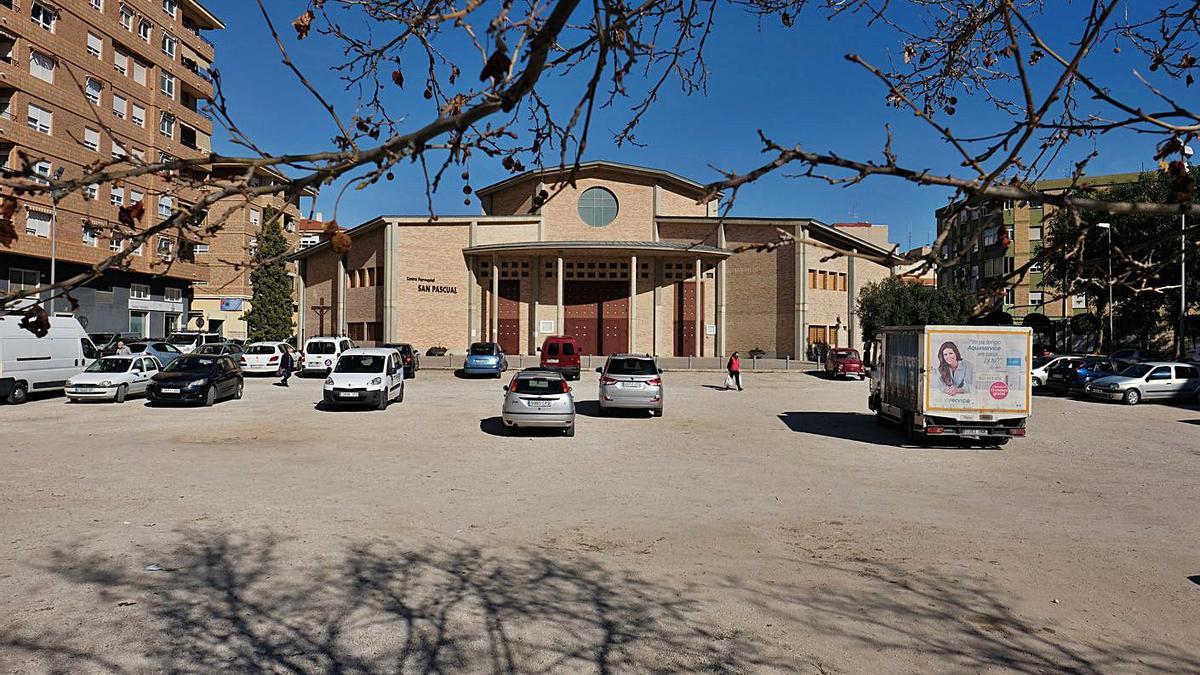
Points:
(984, 370)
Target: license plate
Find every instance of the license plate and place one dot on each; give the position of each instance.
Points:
(540, 404)
(348, 394)
(170, 391)
(632, 385)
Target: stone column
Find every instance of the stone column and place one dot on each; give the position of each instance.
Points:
(494, 305)
(633, 279)
(699, 308)
(800, 312)
(851, 315)
(472, 301)
(559, 328)
(301, 269)
(535, 294)
(721, 337)
(388, 279)
(339, 312)
(657, 275)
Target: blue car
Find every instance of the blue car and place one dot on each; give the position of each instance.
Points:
(485, 358)
(162, 350)
(1073, 375)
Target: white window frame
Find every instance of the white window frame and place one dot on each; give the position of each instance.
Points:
(169, 44)
(145, 315)
(137, 115)
(42, 168)
(200, 249)
(24, 276)
(94, 239)
(95, 45)
(127, 17)
(91, 191)
(48, 17)
(166, 84)
(116, 195)
(171, 294)
(42, 65)
(140, 72)
(1035, 233)
(166, 205)
(121, 61)
(116, 244)
(255, 216)
(91, 139)
(1037, 299)
(170, 7)
(165, 246)
(43, 229)
(1079, 301)
(145, 30)
(118, 150)
(166, 124)
(136, 196)
(87, 90)
(121, 111)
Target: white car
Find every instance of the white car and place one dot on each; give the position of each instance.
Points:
(373, 376)
(35, 364)
(1042, 366)
(113, 378)
(263, 357)
(320, 353)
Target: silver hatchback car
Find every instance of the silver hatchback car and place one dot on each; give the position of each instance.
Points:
(538, 398)
(631, 381)
(1149, 381)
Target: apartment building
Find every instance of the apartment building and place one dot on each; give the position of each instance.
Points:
(88, 80)
(1011, 235)
(221, 300)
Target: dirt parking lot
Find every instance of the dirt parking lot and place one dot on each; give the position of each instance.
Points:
(776, 529)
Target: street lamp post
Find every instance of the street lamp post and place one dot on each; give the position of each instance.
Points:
(1187, 155)
(54, 197)
(1111, 335)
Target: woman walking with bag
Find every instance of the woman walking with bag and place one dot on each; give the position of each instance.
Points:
(734, 368)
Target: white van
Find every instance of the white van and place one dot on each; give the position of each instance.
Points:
(320, 353)
(33, 364)
(373, 377)
(187, 341)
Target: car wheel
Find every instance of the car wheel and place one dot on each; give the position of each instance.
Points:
(570, 433)
(1037, 382)
(18, 395)
(1000, 442)
(657, 412)
(1132, 397)
(122, 392)
(384, 400)
(210, 396)
(400, 398)
(914, 437)
(240, 387)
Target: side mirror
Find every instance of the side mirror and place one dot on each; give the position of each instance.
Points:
(660, 371)
(539, 350)
(504, 389)
(599, 370)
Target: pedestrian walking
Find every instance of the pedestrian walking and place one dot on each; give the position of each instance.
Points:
(734, 368)
(123, 349)
(287, 364)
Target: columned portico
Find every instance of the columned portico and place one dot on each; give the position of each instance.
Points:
(609, 296)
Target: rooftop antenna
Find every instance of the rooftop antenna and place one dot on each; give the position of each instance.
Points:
(854, 213)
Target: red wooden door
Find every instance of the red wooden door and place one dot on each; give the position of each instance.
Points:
(508, 316)
(581, 316)
(614, 338)
(685, 319)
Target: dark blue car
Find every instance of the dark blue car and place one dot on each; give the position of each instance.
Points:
(1072, 375)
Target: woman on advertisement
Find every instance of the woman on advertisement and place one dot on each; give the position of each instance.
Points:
(954, 374)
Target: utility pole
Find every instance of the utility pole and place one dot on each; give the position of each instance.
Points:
(1111, 335)
(1187, 155)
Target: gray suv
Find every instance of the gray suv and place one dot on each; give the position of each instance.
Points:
(538, 398)
(631, 381)
(1148, 381)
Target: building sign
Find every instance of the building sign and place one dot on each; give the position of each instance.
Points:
(545, 326)
(156, 305)
(431, 286)
(231, 304)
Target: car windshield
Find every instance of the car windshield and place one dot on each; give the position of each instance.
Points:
(1039, 361)
(110, 366)
(321, 347)
(481, 349)
(181, 339)
(847, 354)
(632, 367)
(137, 348)
(360, 363)
(210, 349)
(539, 385)
(191, 363)
(102, 338)
(261, 349)
(1136, 370)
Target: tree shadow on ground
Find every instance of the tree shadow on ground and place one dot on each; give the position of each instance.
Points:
(962, 623)
(234, 605)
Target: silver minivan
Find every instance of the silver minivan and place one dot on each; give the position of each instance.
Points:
(538, 398)
(631, 381)
(1154, 380)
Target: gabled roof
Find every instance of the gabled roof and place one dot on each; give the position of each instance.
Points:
(561, 173)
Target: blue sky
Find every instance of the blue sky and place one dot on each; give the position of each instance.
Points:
(791, 82)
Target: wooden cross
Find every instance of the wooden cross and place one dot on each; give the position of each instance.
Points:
(321, 309)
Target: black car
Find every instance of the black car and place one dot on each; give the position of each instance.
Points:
(409, 356)
(196, 378)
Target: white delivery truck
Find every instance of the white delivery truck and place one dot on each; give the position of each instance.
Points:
(31, 364)
(971, 382)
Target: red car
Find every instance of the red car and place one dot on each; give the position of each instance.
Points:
(844, 361)
(561, 354)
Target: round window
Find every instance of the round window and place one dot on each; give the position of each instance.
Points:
(597, 206)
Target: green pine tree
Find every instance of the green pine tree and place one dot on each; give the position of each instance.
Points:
(270, 315)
